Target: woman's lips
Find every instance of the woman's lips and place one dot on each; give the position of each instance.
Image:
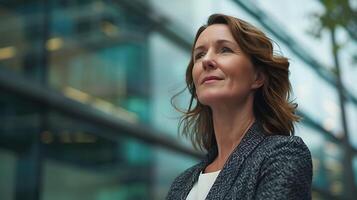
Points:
(210, 79)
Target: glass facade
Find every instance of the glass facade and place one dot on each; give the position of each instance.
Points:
(86, 88)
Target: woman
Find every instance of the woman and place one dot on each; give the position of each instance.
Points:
(242, 117)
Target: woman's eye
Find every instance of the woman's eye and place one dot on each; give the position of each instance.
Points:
(199, 55)
(226, 49)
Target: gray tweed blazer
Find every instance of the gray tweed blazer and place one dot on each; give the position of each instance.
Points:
(261, 167)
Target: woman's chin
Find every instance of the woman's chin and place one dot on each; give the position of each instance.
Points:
(209, 100)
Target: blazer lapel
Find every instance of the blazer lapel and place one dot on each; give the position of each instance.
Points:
(212, 153)
(230, 171)
(183, 192)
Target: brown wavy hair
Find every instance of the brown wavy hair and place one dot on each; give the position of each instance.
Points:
(271, 106)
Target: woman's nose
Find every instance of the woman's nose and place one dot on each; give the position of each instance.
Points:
(208, 63)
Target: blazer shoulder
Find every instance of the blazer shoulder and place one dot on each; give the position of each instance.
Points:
(289, 151)
(286, 169)
(278, 142)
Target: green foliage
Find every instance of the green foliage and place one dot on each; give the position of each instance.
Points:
(337, 13)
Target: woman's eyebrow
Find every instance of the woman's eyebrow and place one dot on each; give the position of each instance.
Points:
(219, 42)
(199, 48)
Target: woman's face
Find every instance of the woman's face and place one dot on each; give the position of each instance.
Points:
(222, 73)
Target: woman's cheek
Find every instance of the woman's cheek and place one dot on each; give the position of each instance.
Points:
(195, 75)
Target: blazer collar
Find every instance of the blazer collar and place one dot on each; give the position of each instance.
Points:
(231, 168)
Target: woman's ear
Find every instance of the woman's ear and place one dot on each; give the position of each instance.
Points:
(259, 79)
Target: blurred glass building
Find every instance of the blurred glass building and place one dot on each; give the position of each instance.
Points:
(86, 87)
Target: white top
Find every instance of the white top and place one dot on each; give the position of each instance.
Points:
(201, 188)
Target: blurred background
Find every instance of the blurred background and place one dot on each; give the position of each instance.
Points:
(85, 88)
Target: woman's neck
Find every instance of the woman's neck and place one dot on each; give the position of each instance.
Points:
(230, 126)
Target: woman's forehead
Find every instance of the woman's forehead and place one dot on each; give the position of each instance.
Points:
(215, 33)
